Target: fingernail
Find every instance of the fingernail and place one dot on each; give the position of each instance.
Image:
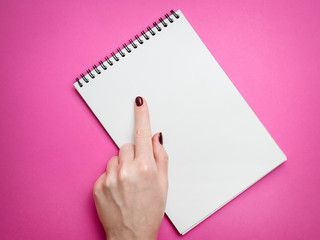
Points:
(160, 138)
(139, 101)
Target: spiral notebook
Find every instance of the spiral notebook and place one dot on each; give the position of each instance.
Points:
(217, 147)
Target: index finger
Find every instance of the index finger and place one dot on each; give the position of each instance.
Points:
(142, 135)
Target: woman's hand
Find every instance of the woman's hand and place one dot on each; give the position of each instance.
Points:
(131, 195)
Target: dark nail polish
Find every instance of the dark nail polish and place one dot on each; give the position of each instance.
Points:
(160, 138)
(139, 101)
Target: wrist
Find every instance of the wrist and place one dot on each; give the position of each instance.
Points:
(135, 238)
(132, 237)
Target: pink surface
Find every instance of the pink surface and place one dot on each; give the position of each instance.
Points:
(52, 148)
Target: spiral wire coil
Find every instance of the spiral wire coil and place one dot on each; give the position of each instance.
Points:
(127, 48)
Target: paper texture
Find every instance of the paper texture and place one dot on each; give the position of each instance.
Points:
(216, 145)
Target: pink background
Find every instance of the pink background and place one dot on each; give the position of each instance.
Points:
(52, 148)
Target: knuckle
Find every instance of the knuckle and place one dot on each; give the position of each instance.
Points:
(111, 162)
(165, 156)
(126, 176)
(123, 175)
(146, 170)
(110, 182)
(142, 132)
(96, 188)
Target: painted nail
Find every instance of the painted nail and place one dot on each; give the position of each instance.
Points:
(160, 138)
(139, 101)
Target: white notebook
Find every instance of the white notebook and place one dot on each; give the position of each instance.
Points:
(217, 147)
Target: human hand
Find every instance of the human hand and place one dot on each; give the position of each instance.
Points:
(131, 195)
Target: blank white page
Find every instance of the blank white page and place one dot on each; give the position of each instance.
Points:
(217, 147)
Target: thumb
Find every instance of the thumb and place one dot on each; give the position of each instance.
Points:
(160, 155)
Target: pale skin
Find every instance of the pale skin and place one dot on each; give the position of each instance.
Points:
(130, 196)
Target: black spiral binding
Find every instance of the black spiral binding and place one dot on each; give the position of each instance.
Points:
(127, 48)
